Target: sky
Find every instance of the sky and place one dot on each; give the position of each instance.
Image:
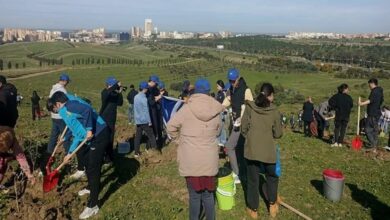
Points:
(249, 16)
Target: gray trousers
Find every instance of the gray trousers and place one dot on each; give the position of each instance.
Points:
(231, 149)
(372, 130)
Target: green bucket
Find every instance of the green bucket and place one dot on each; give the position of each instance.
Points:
(225, 192)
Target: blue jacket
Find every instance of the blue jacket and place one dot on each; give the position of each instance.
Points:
(141, 109)
(80, 118)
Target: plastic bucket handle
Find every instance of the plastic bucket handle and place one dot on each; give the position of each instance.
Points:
(225, 193)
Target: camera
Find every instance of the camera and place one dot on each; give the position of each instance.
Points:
(124, 88)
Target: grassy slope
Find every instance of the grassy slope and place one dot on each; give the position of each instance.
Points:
(157, 191)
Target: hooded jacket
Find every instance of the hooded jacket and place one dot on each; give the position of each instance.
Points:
(56, 87)
(196, 126)
(260, 126)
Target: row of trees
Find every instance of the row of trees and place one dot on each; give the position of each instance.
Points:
(9, 65)
(370, 56)
(45, 60)
(123, 61)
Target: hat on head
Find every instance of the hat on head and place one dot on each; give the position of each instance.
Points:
(202, 86)
(110, 81)
(143, 85)
(233, 74)
(154, 78)
(64, 77)
(161, 84)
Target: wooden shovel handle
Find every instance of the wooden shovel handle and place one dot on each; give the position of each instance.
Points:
(295, 210)
(73, 153)
(358, 121)
(60, 141)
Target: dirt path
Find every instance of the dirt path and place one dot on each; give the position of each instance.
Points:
(30, 75)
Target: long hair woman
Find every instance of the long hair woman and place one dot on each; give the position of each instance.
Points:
(260, 126)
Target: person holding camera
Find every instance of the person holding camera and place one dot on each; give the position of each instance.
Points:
(236, 96)
(111, 99)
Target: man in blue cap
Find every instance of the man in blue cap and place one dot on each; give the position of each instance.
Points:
(58, 125)
(236, 96)
(154, 96)
(142, 119)
(111, 99)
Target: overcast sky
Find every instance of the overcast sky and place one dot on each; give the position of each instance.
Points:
(255, 16)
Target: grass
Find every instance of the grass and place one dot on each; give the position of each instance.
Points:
(139, 190)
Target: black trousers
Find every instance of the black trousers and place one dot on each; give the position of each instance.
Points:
(138, 135)
(157, 124)
(271, 185)
(339, 131)
(36, 111)
(306, 128)
(110, 148)
(93, 155)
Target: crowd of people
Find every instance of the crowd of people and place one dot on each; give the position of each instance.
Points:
(243, 126)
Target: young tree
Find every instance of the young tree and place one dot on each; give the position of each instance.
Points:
(1, 65)
(16, 65)
(73, 63)
(9, 65)
(24, 64)
(40, 63)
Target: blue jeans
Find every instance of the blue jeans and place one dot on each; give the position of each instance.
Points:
(58, 125)
(131, 113)
(201, 199)
(223, 135)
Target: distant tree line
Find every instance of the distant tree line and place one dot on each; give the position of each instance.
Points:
(45, 60)
(123, 61)
(10, 65)
(374, 56)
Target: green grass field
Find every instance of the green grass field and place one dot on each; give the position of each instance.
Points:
(142, 190)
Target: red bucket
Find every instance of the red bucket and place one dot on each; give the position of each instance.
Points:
(335, 174)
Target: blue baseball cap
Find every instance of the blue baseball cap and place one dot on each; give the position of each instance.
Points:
(110, 81)
(161, 84)
(233, 74)
(143, 85)
(202, 86)
(154, 78)
(64, 77)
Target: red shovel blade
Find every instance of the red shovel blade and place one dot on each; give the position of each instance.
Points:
(357, 143)
(50, 181)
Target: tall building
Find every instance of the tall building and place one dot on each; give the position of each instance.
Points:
(124, 36)
(148, 27)
(136, 32)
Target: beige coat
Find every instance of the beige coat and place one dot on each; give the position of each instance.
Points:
(197, 125)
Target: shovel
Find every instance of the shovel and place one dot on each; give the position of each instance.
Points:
(52, 158)
(357, 142)
(50, 181)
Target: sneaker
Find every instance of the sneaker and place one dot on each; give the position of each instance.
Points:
(236, 179)
(387, 148)
(334, 145)
(84, 192)
(273, 209)
(339, 145)
(78, 174)
(137, 155)
(253, 214)
(89, 212)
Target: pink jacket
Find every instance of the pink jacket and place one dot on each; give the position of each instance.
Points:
(17, 152)
(197, 125)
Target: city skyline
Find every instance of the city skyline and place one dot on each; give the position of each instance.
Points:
(248, 16)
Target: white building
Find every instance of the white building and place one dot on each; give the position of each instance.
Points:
(148, 27)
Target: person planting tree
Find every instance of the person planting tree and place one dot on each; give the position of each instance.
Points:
(83, 122)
